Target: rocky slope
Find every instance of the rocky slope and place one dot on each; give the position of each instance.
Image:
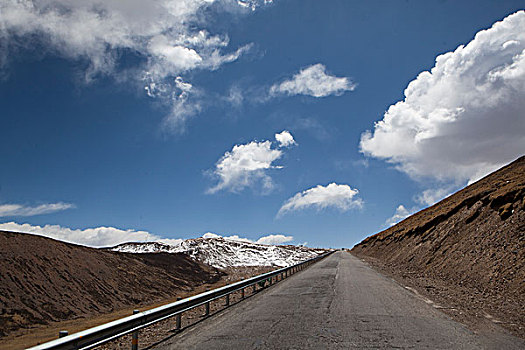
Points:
(467, 252)
(44, 280)
(223, 253)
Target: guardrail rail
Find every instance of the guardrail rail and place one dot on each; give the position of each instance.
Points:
(96, 336)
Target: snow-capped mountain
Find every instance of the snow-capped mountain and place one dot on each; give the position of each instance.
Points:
(220, 252)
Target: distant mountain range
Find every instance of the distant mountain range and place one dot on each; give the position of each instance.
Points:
(222, 253)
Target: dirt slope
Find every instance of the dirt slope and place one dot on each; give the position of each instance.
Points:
(44, 280)
(466, 252)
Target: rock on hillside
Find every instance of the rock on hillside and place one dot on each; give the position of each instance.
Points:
(467, 251)
(221, 253)
(44, 280)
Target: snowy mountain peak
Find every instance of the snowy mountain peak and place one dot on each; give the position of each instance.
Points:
(221, 253)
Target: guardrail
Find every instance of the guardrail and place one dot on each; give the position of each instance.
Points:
(104, 333)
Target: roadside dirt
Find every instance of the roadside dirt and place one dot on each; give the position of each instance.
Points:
(465, 253)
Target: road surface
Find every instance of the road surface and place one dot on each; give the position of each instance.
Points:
(337, 303)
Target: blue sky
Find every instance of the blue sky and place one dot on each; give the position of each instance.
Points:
(125, 121)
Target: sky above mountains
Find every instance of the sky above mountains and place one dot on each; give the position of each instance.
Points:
(318, 122)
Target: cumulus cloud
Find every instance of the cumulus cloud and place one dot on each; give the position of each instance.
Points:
(268, 240)
(92, 237)
(285, 139)
(333, 195)
(274, 239)
(313, 81)
(246, 165)
(464, 118)
(400, 214)
(167, 38)
(21, 210)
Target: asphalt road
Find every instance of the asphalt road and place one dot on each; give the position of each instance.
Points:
(337, 303)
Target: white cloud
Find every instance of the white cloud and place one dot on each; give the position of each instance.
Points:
(313, 81)
(333, 195)
(231, 237)
(285, 139)
(246, 165)
(253, 4)
(185, 103)
(431, 196)
(464, 118)
(211, 235)
(20, 210)
(274, 239)
(400, 214)
(93, 237)
(268, 240)
(166, 36)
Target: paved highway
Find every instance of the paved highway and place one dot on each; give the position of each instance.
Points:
(337, 303)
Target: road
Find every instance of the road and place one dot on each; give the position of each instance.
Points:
(337, 303)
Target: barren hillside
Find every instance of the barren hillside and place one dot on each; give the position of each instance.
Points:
(44, 280)
(466, 252)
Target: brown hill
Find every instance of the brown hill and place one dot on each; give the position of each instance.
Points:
(466, 252)
(44, 280)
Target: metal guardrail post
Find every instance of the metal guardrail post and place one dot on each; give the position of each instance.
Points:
(62, 334)
(207, 311)
(254, 288)
(242, 293)
(135, 336)
(227, 300)
(178, 320)
(207, 305)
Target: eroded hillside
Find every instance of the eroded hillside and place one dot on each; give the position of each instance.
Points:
(467, 251)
